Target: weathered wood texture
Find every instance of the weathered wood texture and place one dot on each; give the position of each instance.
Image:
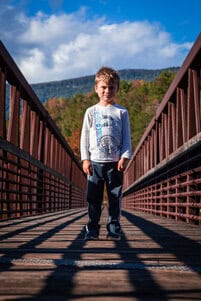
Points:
(45, 258)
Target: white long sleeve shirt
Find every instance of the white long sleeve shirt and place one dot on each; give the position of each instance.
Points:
(105, 134)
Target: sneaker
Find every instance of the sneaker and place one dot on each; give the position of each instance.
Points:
(91, 234)
(113, 231)
(113, 236)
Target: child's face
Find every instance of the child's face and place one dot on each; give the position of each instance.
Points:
(106, 91)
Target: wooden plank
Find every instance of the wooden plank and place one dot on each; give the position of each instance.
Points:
(45, 258)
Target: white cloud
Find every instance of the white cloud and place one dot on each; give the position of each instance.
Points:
(33, 64)
(65, 46)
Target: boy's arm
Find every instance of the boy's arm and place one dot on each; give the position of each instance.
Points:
(84, 139)
(126, 139)
(84, 146)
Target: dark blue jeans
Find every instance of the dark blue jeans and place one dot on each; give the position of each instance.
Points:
(104, 173)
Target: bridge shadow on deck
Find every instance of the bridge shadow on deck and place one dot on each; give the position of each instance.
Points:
(183, 248)
(60, 284)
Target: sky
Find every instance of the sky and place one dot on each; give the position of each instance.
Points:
(53, 40)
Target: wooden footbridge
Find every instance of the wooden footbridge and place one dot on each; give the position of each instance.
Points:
(43, 209)
(45, 258)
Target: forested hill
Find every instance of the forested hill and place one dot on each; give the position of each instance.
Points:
(69, 87)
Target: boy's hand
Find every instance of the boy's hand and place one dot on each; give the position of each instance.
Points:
(122, 164)
(87, 167)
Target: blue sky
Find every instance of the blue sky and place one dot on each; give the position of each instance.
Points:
(61, 39)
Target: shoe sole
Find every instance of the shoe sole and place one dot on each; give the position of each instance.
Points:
(91, 238)
(109, 237)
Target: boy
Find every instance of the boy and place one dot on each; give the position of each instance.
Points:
(105, 151)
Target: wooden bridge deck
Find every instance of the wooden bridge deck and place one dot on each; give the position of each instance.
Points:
(45, 258)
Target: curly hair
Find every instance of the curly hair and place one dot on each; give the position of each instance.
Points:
(107, 74)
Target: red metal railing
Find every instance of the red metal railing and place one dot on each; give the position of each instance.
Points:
(164, 175)
(38, 171)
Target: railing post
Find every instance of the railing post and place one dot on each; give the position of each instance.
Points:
(13, 137)
(2, 134)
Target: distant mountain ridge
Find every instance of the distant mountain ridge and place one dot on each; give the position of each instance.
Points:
(67, 88)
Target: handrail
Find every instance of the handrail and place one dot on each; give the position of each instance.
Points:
(173, 135)
(38, 170)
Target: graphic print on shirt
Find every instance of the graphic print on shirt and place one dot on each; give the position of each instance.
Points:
(105, 125)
